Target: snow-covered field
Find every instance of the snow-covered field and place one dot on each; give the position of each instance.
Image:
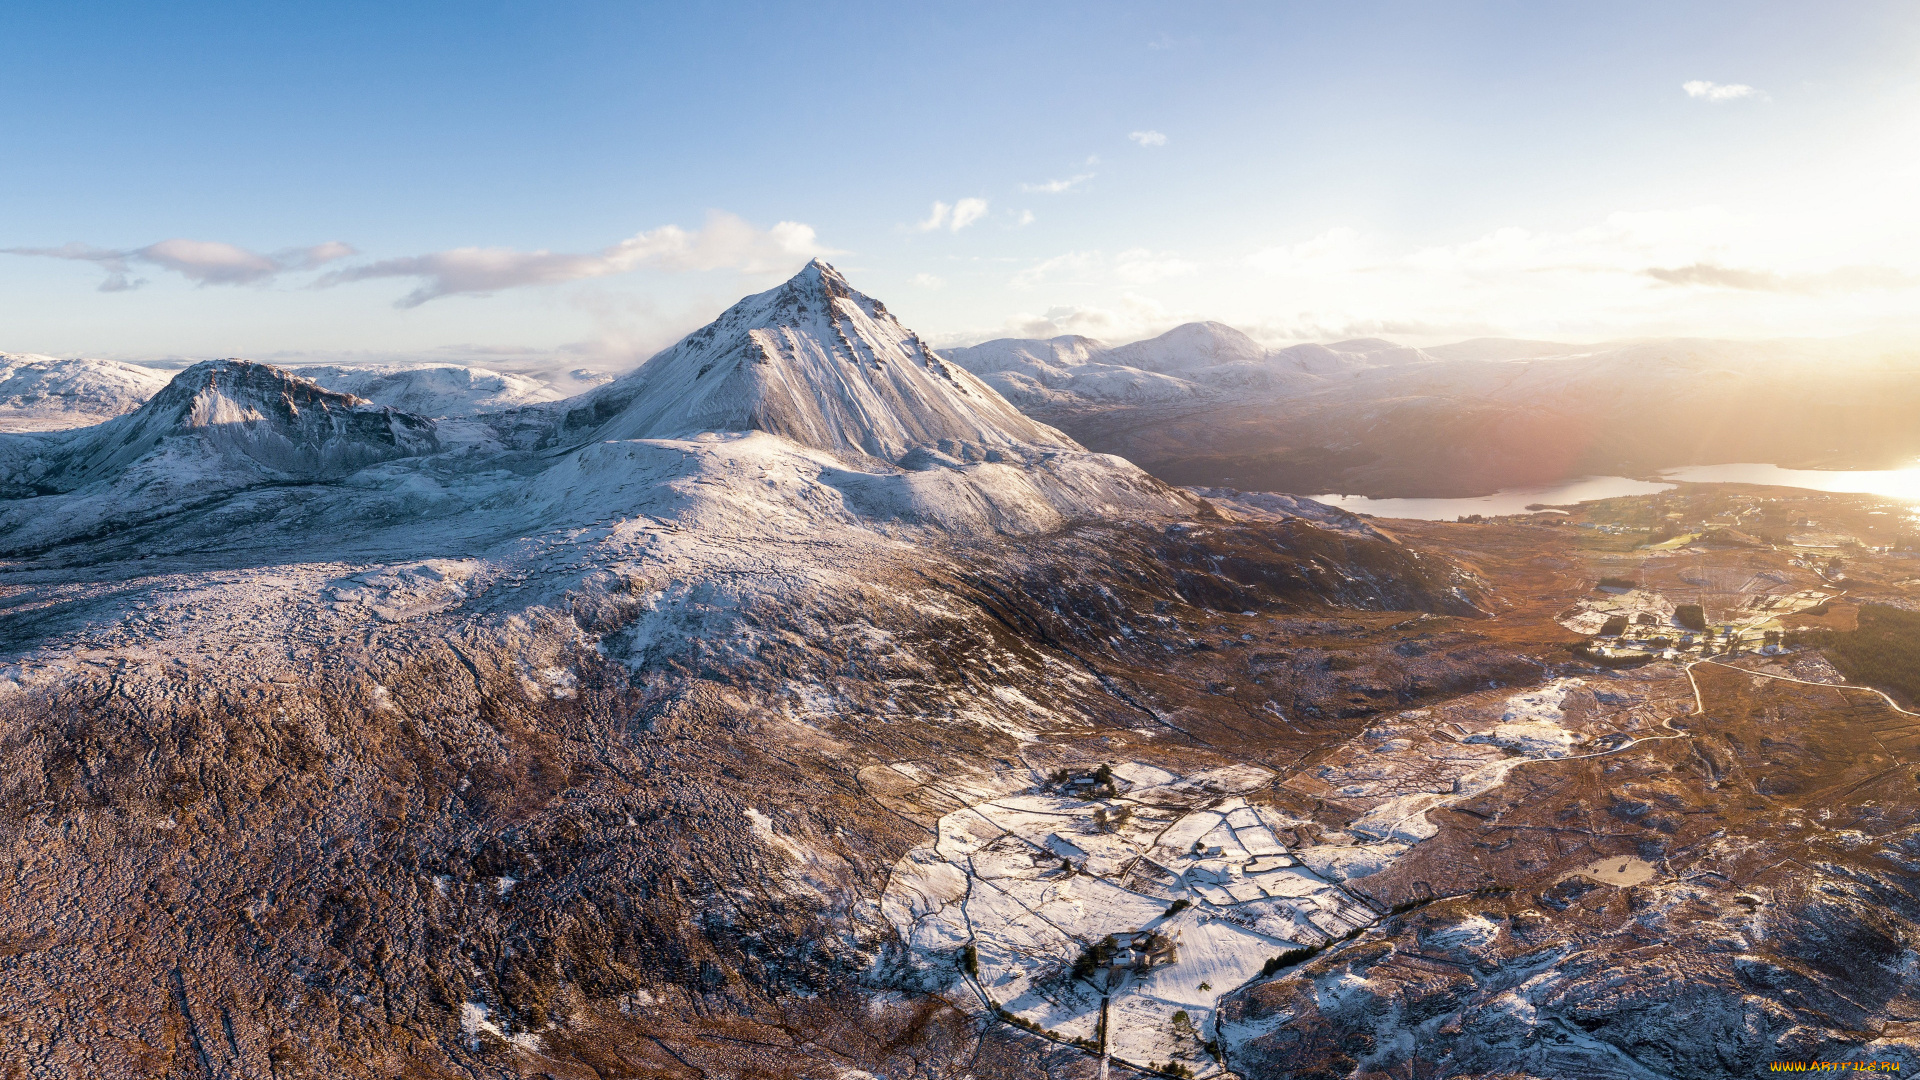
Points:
(1032, 879)
(1031, 872)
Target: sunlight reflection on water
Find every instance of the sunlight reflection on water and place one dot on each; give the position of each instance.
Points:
(1585, 489)
(1892, 483)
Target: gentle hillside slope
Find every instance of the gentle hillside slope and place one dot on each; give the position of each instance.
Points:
(44, 393)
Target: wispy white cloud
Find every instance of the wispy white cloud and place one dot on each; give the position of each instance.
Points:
(725, 242)
(1339, 248)
(937, 219)
(1718, 92)
(1130, 318)
(1056, 187)
(928, 281)
(1148, 138)
(1135, 266)
(1139, 266)
(955, 216)
(207, 262)
(968, 211)
(1072, 264)
(1025, 219)
(1846, 279)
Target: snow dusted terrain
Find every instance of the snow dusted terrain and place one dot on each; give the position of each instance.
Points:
(1032, 879)
(825, 367)
(804, 420)
(796, 699)
(43, 393)
(1031, 875)
(438, 390)
(1194, 362)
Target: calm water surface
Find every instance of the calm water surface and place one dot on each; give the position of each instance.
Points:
(1892, 483)
(1585, 489)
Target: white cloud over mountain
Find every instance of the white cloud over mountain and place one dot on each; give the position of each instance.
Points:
(725, 242)
(1148, 138)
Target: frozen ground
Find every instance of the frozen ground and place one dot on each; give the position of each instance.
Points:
(1032, 874)
(46, 393)
(1031, 879)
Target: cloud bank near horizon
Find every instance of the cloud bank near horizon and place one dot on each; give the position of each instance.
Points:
(204, 262)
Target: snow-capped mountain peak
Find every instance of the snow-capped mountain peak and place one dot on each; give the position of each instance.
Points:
(823, 365)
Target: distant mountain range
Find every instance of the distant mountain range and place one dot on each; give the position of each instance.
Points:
(46, 393)
(1204, 404)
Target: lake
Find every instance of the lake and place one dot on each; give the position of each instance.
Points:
(1585, 489)
(1892, 483)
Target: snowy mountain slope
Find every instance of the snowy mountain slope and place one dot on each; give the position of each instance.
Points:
(1008, 354)
(811, 382)
(218, 427)
(438, 390)
(1063, 370)
(1379, 352)
(1190, 363)
(251, 415)
(820, 364)
(1190, 347)
(44, 393)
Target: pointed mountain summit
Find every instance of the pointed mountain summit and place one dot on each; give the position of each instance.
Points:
(224, 416)
(821, 364)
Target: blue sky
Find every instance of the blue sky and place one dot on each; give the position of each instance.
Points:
(581, 182)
